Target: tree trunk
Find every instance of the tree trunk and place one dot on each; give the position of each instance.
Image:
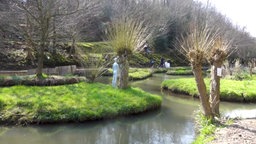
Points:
(73, 46)
(215, 89)
(204, 99)
(124, 72)
(251, 66)
(54, 39)
(40, 63)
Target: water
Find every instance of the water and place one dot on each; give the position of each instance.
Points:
(173, 123)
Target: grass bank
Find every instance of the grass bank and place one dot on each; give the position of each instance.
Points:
(180, 71)
(32, 80)
(230, 90)
(134, 73)
(71, 103)
(205, 129)
(139, 73)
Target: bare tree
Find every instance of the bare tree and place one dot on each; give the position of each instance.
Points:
(4, 20)
(72, 26)
(36, 22)
(153, 14)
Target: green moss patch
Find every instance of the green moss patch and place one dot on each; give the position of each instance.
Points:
(231, 90)
(71, 103)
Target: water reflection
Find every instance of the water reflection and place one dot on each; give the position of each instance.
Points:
(151, 128)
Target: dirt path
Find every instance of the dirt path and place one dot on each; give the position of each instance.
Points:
(240, 132)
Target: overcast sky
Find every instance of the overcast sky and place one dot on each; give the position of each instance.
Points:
(240, 12)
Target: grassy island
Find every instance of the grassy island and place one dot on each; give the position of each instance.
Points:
(180, 71)
(135, 73)
(139, 73)
(71, 103)
(230, 90)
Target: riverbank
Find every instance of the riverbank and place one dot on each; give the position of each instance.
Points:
(139, 73)
(12, 78)
(180, 71)
(239, 132)
(32, 80)
(231, 90)
(71, 103)
(238, 129)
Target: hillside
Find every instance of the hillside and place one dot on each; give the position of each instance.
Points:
(16, 56)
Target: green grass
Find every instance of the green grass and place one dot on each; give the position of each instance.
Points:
(139, 73)
(160, 70)
(206, 129)
(181, 68)
(139, 60)
(230, 90)
(179, 72)
(95, 47)
(186, 70)
(134, 73)
(71, 103)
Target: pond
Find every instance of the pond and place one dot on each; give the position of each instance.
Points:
(173, 123)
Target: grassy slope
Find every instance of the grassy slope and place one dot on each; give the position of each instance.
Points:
(71, 103)
(231, 90)
(138, 59)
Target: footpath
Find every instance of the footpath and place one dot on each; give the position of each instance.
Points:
(242, 131)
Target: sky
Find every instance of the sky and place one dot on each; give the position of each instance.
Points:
(240, 12)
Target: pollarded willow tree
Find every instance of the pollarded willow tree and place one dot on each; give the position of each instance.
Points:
(216, 56)
(200, 46)
(195, 47)
(132, 24)
(126, 35)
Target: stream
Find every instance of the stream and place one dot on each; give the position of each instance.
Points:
(172, 124)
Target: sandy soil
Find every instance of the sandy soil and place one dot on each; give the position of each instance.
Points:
(240, 132)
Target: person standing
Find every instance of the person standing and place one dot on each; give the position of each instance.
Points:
(161, 63)
(151, 63)
(115, 68)
(167, 64)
